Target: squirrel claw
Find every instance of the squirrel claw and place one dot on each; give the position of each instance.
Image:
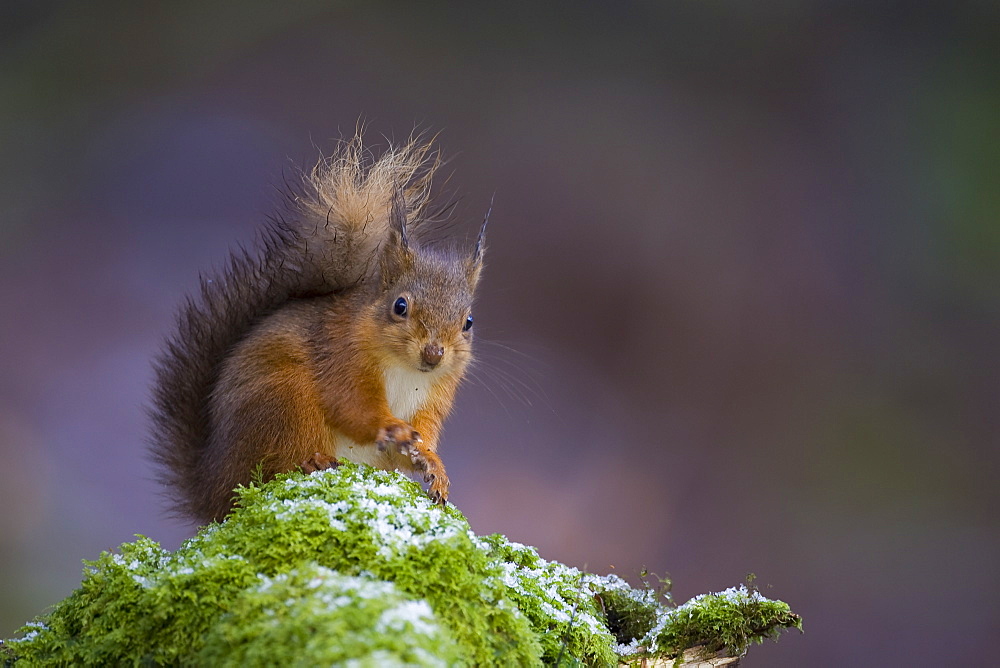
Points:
(436, 478)
(438, 496)
(317, 462)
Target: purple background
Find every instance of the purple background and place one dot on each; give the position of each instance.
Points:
(747, 256)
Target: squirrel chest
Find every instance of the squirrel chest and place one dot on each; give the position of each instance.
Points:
(407, 390)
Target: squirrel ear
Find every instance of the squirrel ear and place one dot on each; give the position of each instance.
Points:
(475, 264)
(396, 254)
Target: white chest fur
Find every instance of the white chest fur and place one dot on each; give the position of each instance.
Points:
(407, 390)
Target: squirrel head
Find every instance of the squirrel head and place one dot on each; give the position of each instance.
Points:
(426, 299)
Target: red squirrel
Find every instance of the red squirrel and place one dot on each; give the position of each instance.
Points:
(343, 337)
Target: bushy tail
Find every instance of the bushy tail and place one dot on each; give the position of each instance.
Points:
(329, 241)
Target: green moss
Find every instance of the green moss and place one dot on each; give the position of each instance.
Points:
(730, 620)
(356, 566)
(558, 601)
(342, 618)
(629, 613)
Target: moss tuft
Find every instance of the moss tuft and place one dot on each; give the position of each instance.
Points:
(730, 620)
(356, 566)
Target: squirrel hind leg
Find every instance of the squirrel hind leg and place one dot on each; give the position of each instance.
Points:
(272, 425)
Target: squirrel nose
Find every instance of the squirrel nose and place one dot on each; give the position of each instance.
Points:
(432, 354)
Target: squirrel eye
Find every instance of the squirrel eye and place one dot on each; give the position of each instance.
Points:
(400, 307)
(468, 324)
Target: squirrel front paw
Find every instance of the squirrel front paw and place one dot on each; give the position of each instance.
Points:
(407, 442)
(398, 435)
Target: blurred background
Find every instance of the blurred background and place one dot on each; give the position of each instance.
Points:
(741, 313)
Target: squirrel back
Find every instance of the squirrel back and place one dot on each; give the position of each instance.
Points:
(349, 207)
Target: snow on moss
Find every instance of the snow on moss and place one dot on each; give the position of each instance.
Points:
(355, 566)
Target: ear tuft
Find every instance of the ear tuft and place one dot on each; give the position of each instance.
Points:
(475, 263)
(397, 217)
(396, 254)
